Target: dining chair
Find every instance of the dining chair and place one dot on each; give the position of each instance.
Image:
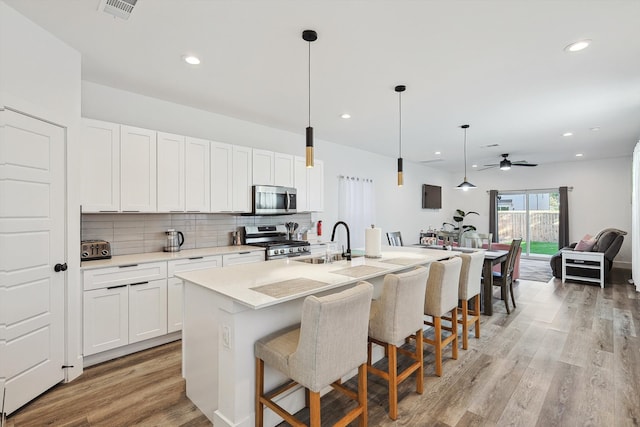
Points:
(441, 298)
(319, 353)
(504, 278)
(469, 288)
(394, 238)
(473, 239)
(396, 316)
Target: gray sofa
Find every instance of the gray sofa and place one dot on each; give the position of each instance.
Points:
(608, 241)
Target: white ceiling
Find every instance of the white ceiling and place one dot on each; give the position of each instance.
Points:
(499, 66)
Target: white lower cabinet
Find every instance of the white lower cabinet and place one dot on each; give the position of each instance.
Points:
(242, 258)
(175, 286)
(106, 319)
(147, 310)
(131, 303)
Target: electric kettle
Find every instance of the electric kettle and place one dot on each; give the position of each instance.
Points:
(175, 239)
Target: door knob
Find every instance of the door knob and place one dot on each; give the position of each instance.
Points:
(60, 267)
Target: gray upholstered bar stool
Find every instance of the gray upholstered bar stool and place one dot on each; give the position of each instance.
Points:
(441, 298)
(330, 342)
(469, 287)
(395, 316)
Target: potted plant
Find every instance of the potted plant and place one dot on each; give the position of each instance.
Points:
(459, 227)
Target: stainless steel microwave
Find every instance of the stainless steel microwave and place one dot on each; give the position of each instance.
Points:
(274, 200)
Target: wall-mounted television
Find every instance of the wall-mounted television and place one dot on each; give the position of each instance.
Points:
(431, 197)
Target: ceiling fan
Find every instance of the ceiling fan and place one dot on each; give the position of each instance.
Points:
(505, 164)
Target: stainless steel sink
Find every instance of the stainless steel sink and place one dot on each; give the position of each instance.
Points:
(323, 259)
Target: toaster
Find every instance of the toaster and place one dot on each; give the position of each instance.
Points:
(95, 249)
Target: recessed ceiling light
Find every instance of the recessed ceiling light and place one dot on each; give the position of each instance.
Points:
(579, 155)
(346, 116)
(577, 46)
(437, 153)
(595, 129)
(567, 134)
(192, 60)
(474, 166)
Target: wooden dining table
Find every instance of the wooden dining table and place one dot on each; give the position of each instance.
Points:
(491, 258)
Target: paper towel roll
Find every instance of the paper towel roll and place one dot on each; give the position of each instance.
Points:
(373, 243)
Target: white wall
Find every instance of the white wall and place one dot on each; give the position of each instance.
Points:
(399, 209)
(601, 195)
(40, 76)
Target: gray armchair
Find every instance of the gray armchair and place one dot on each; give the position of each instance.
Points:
(609, 241)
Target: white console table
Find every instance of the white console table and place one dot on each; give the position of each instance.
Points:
(586, 261)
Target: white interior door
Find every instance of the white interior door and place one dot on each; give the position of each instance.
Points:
(32, 242)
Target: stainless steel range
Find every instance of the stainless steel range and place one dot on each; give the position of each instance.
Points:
(274, 238)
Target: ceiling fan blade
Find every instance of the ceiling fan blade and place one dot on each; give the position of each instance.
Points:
(493, 164)
(487, 167)
(524, 164)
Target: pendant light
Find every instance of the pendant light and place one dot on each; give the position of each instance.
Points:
(400, 89)
(309, 36)
(466, 185)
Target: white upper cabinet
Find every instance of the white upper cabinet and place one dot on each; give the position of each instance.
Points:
(171, 172)
(221, 177)
(137, 169)
(198, 182)
(100, 176)
(283, 169)
(310, 185)
(241, 185)
(263, 168)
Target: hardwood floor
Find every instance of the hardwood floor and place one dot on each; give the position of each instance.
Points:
(569, 355)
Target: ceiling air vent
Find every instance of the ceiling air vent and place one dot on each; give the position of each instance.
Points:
(431, 161)
(118, 8)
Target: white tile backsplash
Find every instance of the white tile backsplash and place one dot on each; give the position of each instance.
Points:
(142, 233)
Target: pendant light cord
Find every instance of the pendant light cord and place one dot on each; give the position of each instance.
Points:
(309, 73)
(400, 127)
(465, 154)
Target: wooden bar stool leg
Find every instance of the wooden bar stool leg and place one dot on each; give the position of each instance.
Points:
(465, 324)
(477, 313)
(390, 349)
(437, 325)
(362, 394)
(420, 359)
(259, 392)
(454, 331)
(314, 409)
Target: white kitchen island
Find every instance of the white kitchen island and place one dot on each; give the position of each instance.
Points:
(227, 309)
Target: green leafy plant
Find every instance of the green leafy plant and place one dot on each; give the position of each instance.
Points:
(459, 219)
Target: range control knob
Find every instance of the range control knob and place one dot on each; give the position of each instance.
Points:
(85, 254)
(281, 251)
(105, 252)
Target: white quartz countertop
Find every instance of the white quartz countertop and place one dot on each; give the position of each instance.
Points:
(237, 282)
(118, 260)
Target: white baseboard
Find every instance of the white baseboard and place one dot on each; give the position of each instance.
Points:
(94, 359)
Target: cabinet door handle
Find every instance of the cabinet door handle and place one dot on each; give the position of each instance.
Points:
(197, 257)
(244, 253)
(107, 211)
(130, 211)
(138, 283)
(128, 265)
(116, 287)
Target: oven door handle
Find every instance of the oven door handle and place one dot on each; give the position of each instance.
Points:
(288, 203)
